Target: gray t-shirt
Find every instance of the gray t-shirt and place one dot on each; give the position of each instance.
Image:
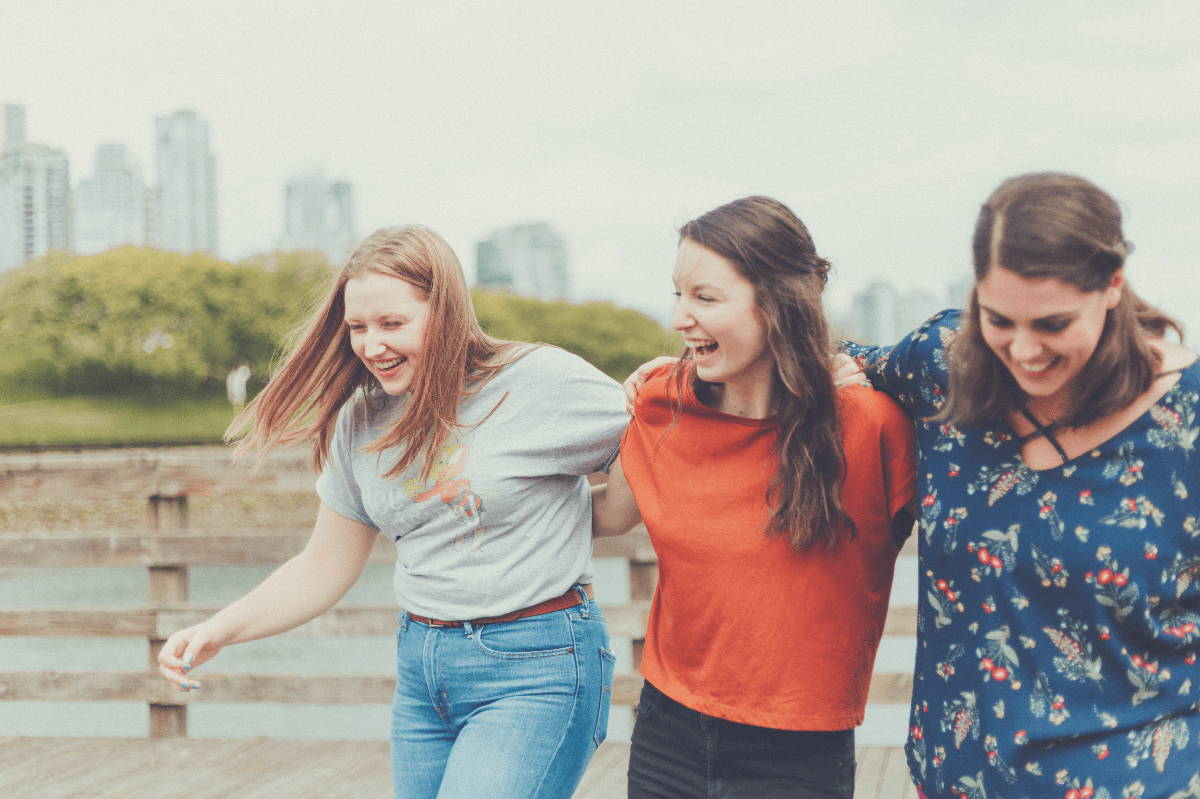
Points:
(504, 521)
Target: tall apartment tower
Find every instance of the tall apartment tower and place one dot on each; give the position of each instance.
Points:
(185, 211)
(35, 195)
(880, 314)
(110, 206)
(319, 215)
(12, 126)
(526, 259)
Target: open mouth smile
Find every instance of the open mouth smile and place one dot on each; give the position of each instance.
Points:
(388, 368)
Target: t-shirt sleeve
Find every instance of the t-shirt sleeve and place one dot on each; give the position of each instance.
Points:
(914, 372)
(336, 485)
(584, 414)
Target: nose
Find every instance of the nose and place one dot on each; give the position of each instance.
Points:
(373, 345)
(681, 319)
(1025, 346)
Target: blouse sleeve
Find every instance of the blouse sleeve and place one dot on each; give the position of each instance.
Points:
(913, 372)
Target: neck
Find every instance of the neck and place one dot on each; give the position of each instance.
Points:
(1047, 410)
(737, 400)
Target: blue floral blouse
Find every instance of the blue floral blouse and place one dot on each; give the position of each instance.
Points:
(1059, 610)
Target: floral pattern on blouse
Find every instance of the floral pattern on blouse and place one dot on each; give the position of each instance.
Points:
(1059, 610)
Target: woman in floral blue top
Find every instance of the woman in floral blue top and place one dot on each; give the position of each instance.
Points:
(1059, 617)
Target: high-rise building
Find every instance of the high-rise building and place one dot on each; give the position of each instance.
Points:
(186, 192)
(881, 315)
(35, 195)
(110, 206)
(319, 215)
(526, 259)
(12, 126)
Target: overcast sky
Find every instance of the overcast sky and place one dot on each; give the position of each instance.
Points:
(884, 125)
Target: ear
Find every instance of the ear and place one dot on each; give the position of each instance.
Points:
(1112, 294)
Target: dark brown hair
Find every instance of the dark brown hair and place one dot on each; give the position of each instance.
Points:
(302, 401)
(772, 249)
(1060, 226)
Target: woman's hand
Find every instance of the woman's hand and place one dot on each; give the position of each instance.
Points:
(846, 372)
(298, 591)
(186, 650)
(635, 380)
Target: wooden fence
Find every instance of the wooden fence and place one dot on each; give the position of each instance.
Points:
(169, 544)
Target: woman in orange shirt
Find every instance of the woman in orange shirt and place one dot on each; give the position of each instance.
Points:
(777, 506)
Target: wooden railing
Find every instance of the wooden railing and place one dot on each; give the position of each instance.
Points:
(169, 545)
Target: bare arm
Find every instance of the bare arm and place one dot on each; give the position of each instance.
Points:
(614, 510)
(298, 591)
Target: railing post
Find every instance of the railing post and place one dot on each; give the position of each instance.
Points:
(643, 577)
(167, 584)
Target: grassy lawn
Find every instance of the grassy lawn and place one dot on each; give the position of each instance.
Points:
(27, 420)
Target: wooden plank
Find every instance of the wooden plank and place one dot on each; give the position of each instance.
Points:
(891, 689)
(141, 473)
(634, 546)
(77, 622)
(160, 622)
(901, 620)
(192, 549)
(151, 688)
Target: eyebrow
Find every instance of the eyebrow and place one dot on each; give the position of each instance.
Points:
(1054, 317)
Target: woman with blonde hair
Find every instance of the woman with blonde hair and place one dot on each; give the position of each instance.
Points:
(471, 454)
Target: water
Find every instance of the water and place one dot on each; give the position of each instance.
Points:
(885, 724)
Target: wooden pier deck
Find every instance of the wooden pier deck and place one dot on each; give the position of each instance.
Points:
(261, 768)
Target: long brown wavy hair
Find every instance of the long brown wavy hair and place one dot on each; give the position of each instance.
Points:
(321, 373)
(1050, 224)
(769, 246)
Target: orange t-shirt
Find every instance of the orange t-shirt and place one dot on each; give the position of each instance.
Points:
(741, 627)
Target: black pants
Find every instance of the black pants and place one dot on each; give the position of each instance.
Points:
(680, 753)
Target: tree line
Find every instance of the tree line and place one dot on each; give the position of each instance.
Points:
(137, 320)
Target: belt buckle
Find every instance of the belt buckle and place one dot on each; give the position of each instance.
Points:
(439, 623)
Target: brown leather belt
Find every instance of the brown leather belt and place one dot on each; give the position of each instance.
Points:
(568, 600)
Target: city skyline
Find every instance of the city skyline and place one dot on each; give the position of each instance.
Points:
(884, 126)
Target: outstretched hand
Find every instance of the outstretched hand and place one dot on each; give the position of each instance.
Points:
(635, 380)
(184, 651)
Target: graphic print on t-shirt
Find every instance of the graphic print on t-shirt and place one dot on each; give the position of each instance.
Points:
(453, 490)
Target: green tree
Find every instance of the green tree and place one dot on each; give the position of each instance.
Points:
(133, 318)
(615, 340)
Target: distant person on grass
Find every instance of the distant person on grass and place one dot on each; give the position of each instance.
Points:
(471, 454)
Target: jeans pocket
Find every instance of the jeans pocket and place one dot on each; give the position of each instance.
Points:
(647, 701)
(608, 663)
(545, 636)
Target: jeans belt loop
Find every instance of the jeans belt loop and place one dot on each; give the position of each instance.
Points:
(583, 600)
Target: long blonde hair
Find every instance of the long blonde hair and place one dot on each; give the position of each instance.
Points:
(318, 377)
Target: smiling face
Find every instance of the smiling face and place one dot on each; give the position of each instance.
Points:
(386, 319)
(716, 313)
(1044, 331)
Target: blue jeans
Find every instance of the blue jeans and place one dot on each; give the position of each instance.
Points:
(680, 753)
(503, 711)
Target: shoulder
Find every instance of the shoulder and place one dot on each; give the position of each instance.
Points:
(529, 358)
(863, 408)
(1176, 356)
